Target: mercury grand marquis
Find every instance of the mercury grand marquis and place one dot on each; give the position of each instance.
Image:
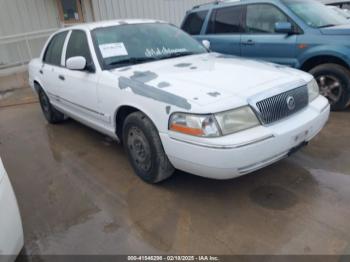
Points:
(172, 103)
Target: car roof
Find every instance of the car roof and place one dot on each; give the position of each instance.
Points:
(211, 4)
(327, 2)
(94, 25)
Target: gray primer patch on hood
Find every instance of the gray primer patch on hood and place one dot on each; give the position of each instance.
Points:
(167, 109)
(163, 84)
(183, 65)
(144, 77)
(138, 85)
(214, 94)
(193, 67)
(225, 56)
(124, 69)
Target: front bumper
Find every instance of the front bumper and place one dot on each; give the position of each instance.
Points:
(244, 152)
(11, 236)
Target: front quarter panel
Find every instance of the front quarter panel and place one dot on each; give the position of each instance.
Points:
(112, 96)
(322, 45)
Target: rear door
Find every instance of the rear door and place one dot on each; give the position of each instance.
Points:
(78, 92)
(260, 40)
(52, 66)
(224, 30)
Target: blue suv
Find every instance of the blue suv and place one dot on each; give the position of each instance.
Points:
(304, 34)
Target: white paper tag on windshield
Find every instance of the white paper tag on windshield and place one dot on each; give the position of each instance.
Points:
(113, 49)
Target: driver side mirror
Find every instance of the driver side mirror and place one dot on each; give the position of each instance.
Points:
(206, 44)
(76, 63)
(284, 28)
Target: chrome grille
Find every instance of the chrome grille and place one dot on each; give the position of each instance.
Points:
(275, 108)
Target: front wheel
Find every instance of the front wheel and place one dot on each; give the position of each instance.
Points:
(144, 148)
(334, 83)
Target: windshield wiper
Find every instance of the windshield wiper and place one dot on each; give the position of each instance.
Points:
(324, 26)
(140, 60)
(132, 61)
(174, 55)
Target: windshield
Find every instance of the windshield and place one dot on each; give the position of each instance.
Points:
(315, 14)
(124, 45)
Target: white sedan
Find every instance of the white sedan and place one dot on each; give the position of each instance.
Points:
(11, 232)
(172, 102)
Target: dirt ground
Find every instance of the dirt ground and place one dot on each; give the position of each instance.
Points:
(78, 195)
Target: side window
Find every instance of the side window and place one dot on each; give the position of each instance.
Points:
(78, 46)
(53, 51)
(261, 18)
(194, 22)
(225, 21)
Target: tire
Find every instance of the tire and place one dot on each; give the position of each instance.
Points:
(52, 115)
(144, 149)
(334, 83)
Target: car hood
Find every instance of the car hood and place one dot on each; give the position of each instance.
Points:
(337, 30)
(207, 78)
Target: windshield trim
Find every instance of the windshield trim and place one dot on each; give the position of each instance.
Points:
(107, 67)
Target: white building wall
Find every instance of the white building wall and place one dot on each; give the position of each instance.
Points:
(168, 10)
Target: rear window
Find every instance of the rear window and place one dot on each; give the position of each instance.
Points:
(194, 22)
(225, 21)
(53, 52)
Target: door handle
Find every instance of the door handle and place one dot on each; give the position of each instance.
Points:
(61, 77)
(249, 42)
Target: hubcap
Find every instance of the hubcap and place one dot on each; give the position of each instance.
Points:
(330, 87)
(139, 148)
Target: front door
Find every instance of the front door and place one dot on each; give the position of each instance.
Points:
(78, 89)
(260, 40)
(224, 30)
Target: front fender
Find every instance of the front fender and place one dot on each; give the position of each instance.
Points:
(159, 117)
(342, 53)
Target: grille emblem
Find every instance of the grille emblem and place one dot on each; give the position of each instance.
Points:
(282, 105)
(291, 103)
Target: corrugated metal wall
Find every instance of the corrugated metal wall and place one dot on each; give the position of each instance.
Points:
(168, 10)
(19, 16)
(24, 28)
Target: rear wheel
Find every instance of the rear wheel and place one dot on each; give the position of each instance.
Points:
(144, 148)
(52, 115)
(334, 83)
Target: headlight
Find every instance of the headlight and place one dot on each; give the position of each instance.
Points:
(313, 90)
(224, 123)
(194, 125)
(237, 120)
